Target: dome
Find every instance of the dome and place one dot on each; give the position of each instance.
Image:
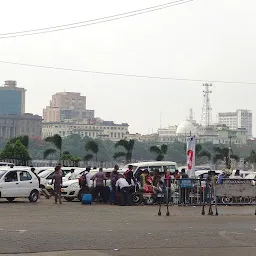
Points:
(185, 128)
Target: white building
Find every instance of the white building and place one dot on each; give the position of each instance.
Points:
(242, 118)
(107, 130)
(216, 134)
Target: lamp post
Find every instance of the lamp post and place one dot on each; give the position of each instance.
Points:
(229, 153)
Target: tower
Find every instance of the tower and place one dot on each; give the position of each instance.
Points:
(206, 110)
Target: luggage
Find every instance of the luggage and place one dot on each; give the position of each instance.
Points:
(87, 199)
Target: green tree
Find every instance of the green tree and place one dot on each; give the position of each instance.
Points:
(23, 139)
(56, 140)
(20, 153)
(200, 152)
(7, 152)
(72, 160)
(252, 157)
(159, 151)
(128, 146)
(92, 147)
(223, 155)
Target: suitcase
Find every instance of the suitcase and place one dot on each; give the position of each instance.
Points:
(87, 199)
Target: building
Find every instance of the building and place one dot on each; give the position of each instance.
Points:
(106, 130)
(241, 119)
(216, 134)
(67, 106)
(12, 99)
(17, 125)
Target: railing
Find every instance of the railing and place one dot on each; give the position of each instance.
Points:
(198, 192)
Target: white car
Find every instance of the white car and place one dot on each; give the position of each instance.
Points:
(71, 189)
(46, 176)
(18, 183)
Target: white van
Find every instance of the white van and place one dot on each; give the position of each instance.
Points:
(18, 182)
(160, 166)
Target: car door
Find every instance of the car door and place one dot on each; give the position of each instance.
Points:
(26, 183)
(10, 184)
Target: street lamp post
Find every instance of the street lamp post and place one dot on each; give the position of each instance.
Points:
(229, 153)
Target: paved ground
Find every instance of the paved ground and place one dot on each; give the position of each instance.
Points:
(97, 230)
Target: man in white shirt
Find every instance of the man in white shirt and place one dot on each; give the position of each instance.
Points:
(125, 190)
(73, 174)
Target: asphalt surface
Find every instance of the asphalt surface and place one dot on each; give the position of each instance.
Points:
(102, 230)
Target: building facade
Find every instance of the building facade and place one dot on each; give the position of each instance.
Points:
(241, 119)
(106, 130)
(67, 106)
(12, 126)
(12, 99)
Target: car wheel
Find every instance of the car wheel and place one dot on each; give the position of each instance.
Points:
(149, 201)
(69, 199)
(10, 199)
(34, 195)
(136, 198)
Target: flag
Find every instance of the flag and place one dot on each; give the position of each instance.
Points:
(191, 155)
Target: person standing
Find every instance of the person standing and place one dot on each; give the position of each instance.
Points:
(125, 189)
(114, 178)
(100, 178)
(57, 183)
(73, 174)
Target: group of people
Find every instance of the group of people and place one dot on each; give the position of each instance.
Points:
(122, 186)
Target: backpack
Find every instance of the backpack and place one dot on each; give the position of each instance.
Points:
(83, 180)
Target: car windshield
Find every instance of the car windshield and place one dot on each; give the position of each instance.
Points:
(2, 172)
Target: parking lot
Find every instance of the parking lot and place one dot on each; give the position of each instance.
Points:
(75, 229)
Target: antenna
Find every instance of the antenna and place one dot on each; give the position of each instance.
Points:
(190, 118)
(206, 110)
(160, 120)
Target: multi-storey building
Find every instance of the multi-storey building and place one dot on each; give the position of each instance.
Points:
(17, 125)
(12, 99)
(67, 106)
(242, 118)
(107, 130)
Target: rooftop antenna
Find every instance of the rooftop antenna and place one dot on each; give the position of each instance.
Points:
(206, 110)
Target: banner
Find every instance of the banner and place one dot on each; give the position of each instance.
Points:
(191, 155)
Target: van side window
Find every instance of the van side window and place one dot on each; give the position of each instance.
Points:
(155, 169)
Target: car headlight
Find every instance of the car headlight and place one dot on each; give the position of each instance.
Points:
(74, 186)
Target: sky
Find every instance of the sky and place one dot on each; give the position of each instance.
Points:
(202, 39)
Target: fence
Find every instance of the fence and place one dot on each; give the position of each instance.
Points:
(198, 192)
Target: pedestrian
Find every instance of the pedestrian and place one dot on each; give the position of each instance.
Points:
(73, 174)
(184, 192)
(85, 181)
(125, 190)
(114, 178)
(129, 175)
(100, 179)
(176, 174)
(57, 183)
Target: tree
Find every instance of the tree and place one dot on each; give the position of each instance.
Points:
(252, 157)
(93, 147)
(159, 151)
(56, 140)
(72, 160)
(128, 146)
(200, 152)
(223, 155)
(20, 153)
(23, 139)
(7, 152)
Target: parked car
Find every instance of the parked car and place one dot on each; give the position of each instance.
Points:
(47, 175)
(71, 189)
(18, 183)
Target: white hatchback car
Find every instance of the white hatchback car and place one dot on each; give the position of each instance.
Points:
(18, 183)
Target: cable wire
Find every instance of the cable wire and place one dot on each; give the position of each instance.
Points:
(93, 21)
(127, 75)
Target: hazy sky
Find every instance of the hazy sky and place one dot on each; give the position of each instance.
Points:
(203, 39)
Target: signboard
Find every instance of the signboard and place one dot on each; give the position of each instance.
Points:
(186, 183)
(236, 188)
(191, 155)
